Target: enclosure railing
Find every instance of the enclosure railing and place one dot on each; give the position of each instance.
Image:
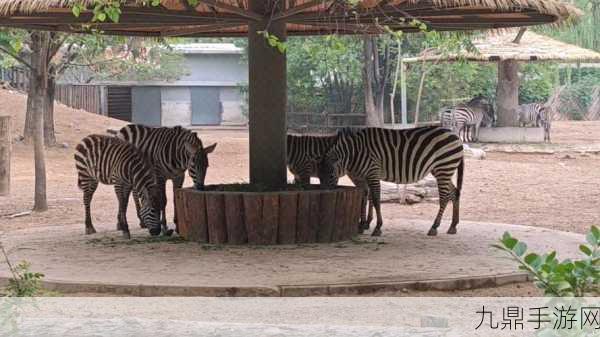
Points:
(82, 96)
(326, 122)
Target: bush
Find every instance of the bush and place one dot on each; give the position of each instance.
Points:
(562, 279)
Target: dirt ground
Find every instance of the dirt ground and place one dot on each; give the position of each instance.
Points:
(557, 191)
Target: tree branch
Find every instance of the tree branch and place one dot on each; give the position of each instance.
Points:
(17, 57)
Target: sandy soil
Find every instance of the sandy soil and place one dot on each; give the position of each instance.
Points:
(557, 191)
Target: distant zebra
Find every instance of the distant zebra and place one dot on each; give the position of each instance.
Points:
(304, 155)
(535, 114)
(171, 151)
(111, 161)
(402, 157)
(466, 119)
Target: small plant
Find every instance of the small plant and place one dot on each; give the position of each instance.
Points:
(24, 282)
(561, 279)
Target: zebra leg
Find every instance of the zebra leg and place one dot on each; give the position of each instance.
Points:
(138, 206)
(177, 184)
(365, 221)
(375, 192)
(89, 187)
(122, 193)
(446, 191)
(161, 182)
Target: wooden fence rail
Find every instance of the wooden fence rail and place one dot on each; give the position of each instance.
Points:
(312, 122)
(85, 97)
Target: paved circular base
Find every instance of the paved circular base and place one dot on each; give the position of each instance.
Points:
(403, 258)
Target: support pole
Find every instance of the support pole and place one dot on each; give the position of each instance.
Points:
(267, 87)
(507, 93)
(5, 153)
(403, 90)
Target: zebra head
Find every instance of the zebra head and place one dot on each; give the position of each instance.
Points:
(151, 205)
(333, 164)
(198, 160)
(484, 105)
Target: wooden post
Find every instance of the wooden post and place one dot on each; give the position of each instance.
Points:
(267, 101)
(5, 153)
(507, 93)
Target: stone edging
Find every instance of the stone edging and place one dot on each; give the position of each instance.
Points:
(363, 288)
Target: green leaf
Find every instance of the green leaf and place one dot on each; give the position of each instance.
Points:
(77, 10)
(596, 232)
(586, 250)
(561, 286)
(510, 243)
(591, 239)
(520, 249)
(531, 258)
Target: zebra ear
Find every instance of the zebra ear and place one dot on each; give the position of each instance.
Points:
(210, 149)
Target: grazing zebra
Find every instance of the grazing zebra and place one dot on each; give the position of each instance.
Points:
(171, 151)
(466, 119)
(535, 114)
(111, 161)
(402, 157)
(304, 155)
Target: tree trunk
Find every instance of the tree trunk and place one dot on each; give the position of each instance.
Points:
(28, 128)
(5, 154)
(373, 116)
(38, 82)
(507, 93)
(49, 135)
(267, 101)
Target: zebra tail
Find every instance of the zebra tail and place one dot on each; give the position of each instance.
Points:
(459, 178)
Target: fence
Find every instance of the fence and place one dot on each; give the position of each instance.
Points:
(312, 122)
(18, 78)
(86, 97)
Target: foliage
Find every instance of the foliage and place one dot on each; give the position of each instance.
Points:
(586, 33)
(565, 278)
(24, 282)
(324, 74)
(537, 82)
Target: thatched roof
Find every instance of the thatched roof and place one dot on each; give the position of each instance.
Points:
(532, 47)
(303, 17)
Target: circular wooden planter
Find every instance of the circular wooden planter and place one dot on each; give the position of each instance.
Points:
(268, 218)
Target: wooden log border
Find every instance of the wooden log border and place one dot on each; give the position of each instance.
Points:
(268, 218)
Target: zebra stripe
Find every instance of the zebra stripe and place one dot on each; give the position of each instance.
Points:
(466, 119)
(304, 156)
(535, 114)
(304, 153)
(172, 151)
(402, 157)
(111, 161)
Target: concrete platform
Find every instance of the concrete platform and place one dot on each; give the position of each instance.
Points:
(511, 135)
(403, 258)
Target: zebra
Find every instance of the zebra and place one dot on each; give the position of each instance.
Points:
(111, 161)
(466, 119)
(399, 156)
(172, 151)
(304, 155)
(535, 114)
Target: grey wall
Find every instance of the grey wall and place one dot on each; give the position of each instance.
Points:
(215, 68)
(146, 105)
(176, 106)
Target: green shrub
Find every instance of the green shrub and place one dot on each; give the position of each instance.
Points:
(24, 283)
(562, 279)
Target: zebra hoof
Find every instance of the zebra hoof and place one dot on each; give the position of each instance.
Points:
(452, 230)
(376, 232)
(126, 235)
(432, 232)
(168, 232)
(90, 230)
